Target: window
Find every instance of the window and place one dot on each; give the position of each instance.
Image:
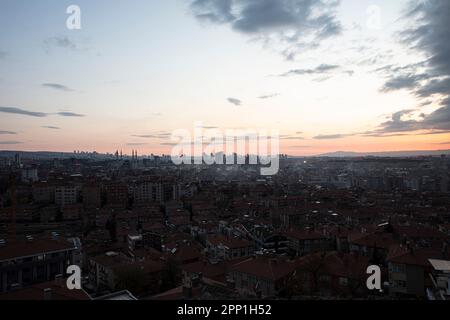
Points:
(325, 278)
(343, 282)
(398, 268)
(400, 284)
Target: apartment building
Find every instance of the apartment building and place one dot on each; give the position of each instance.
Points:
(29, 261)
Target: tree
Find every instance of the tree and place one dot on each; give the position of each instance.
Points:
(132, 279)
(170, 277)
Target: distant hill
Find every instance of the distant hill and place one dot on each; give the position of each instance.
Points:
(392, 154)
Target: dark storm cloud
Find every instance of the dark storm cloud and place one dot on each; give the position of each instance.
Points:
(407, 81)
(289, 22)
(234, 101)
(428, 34)
(57, 86)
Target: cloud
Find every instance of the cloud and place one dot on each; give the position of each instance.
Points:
(15, 110)
(7, 132)
(321, 69)
(51, 127)
(19, 111)
(324, 71)
(291, 137)
(332, 136)
(430, 78)
(60, 42)
(234, 101)
(203, 126)
(406, 81)
(57, 86)
(268, 96)
(300, 147)
(136, 144)
(156, 135)
(170, 144)
(69, 114)
(295, 25)
(10, 142)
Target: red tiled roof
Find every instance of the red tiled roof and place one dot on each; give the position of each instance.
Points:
(176, 294)
(372, 240)
(265, 267)
(413, 256)
(59, 291)
(421, 232)
(18, 249)
(304, 234)
(231, 243)
(335, 264)
(213, 271)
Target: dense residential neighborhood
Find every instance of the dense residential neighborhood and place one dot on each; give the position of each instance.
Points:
(143, 228)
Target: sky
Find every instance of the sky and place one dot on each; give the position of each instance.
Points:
(329, 75)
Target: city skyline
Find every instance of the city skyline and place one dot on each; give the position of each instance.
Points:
(347, 75)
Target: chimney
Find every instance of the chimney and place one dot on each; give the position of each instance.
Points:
(187, 292)
(15, 286)
(59, 279)
(410, 248)
(47, 294)
(231, 284)
(196, 280)
(444, 249)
